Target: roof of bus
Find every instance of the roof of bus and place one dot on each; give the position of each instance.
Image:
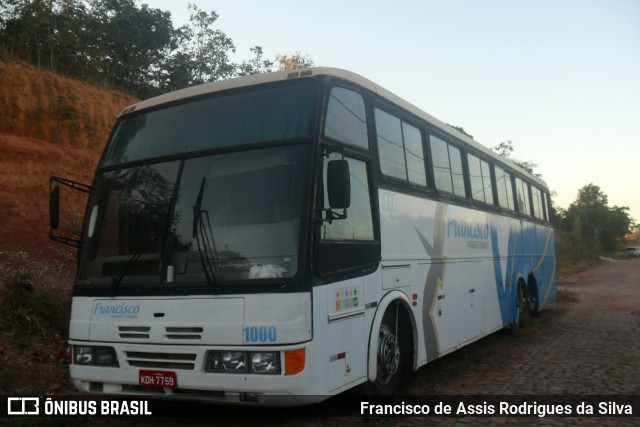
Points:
(262, 78)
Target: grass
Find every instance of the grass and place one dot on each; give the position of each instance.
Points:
(567, 296)
(28, 312)
(574, 254)
(57, 109)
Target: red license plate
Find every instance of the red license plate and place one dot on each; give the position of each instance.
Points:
(157, 379)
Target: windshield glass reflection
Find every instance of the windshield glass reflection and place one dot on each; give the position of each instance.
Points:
(239, 216)
(232, 217)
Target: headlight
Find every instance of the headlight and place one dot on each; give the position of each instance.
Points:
(264, 363)
(235, 361)
(243, 362)
(95, 356)
(83, 355)
(106, 356)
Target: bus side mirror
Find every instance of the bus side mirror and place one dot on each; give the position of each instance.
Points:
(54, 207)
(339, 184)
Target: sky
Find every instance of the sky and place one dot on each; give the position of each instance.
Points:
(558, 78)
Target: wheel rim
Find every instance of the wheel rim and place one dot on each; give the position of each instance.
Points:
(518, 305)
(388, 355)
(523, 306)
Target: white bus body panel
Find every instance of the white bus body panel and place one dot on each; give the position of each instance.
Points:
(341, 332)
(446, 253)
(222, 319)
(121, 322)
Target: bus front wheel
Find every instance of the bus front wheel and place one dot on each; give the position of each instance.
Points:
(390, 358)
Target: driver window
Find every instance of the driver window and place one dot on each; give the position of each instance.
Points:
(358, 226)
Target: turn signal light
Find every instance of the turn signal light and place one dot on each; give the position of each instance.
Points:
(294, 361)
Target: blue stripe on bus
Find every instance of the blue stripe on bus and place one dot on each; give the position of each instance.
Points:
(521, 260)
(497, 267)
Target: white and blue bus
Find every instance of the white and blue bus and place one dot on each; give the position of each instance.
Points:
(283, 237)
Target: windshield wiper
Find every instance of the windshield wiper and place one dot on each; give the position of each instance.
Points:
(132, 260)
(200, 232)
(150, 241)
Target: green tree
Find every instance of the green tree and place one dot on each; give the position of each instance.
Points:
(290, 62)
(72, 36)
(199, 53)
(113, 42)
(590, 217)
(208, 47)
(28, 30)
(130, 41)
(506, 148)
(176, 72)
(282, 63)
(122, 44)
(255, 65)
(461, 129)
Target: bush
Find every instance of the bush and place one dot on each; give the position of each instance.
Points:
(575, 253)
(27, 311)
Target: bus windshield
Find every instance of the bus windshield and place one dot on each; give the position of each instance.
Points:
(226, 217)
(168, 209)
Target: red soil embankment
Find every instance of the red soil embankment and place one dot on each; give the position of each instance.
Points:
(49, 125)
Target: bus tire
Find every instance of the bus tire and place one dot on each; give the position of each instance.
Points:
(390, 358)
(525, 317)
(523, 313)
(533, 297)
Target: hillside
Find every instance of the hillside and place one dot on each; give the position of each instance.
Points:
(50, 125)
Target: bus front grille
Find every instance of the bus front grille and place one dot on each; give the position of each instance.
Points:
(184, 333)
(139, 359)
(134, 332)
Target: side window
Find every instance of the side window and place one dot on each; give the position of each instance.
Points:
(400, 149)
(346, 117)
(480, 177)
(447, 167)
(457, 175)
(358, 225)
(523, 197)
(441, 167)
(545, 207)
(414, 154)
(536, 199)
(486, 182)
(390, 145)
(505, 191)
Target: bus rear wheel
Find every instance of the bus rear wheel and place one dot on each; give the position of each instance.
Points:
(390, 359)
(523, 309)
(533, 297)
